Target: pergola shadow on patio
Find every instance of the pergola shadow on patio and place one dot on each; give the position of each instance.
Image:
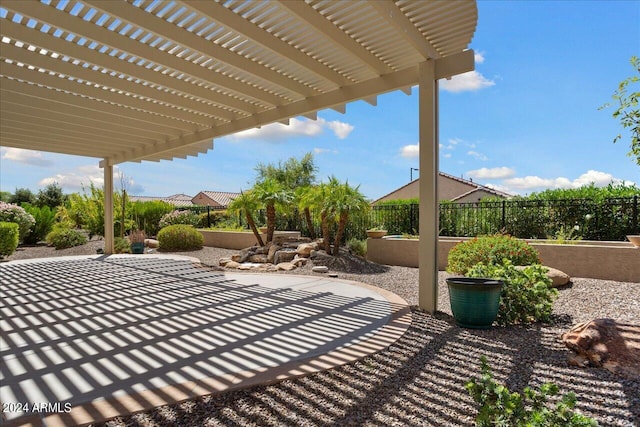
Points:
(96, 337)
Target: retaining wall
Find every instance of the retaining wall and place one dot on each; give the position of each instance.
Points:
(238, 239)
(618, 261)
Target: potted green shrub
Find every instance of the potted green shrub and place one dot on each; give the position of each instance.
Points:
(136, 238)
(487, 266)
(474, 301)
(376, 232)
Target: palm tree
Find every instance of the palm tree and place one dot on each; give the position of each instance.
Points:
(319, 200)
(248, 203)
(273, 195)
(304, 198)
(345, 200)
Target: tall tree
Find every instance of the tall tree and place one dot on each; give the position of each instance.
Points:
(51, 196)
(247, 203)
(22, 195)
(273, 195)
(627, 111)
(346, 200)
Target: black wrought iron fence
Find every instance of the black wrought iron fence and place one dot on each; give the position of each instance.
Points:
(610, 219)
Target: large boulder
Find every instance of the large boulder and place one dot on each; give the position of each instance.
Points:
(284, 255)
(304, 249)
(605, 343)
(258, 258)
(286, 266)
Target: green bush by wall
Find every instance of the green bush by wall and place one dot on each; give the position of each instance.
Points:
(180, 237)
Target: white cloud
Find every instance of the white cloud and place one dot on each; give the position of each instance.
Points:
(318, 150)
(410, 151)
(492, 173)
(447, 155)
(295, 128)
(83, 176)
(477, 155)
(599, 179)
(471, 81)
(27, 157)
(478, 57)
(340, 129)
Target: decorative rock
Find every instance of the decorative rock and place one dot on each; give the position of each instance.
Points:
(236, 257)
(151, 243)
(232, 264)
(558, 277)
(332, 274)
(284, 255)
(258, 258)
(272, 252)
(605, 343)
(305, 249)
(299, 261)
(286, 266)
(320, 269)
(224, 261)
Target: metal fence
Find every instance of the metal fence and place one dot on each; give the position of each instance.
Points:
(609, 219)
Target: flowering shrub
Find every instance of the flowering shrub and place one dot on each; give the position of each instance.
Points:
(8, 238)
(527, 295)
(180, 217)
(490, 250)
(14, 213)
(180, 237)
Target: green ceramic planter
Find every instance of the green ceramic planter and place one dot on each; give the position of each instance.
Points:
(474, 302)
(137, 248)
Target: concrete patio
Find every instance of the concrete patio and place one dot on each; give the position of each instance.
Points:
(90, 338)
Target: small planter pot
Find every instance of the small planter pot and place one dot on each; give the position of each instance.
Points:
(137, 248)
(634, 239)
(474, 302)
(376, 234)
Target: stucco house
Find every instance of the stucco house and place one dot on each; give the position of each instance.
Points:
(449, 188)
(178, 200)
(216, 199)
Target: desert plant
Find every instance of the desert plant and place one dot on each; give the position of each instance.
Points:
(358, 247)
(9, 232)
(147, 215)
(247, 203)
(62, 237)
(180, 217)
(501, 407)
(273, 195)
(180, 237)
(527, 295)
(490, 250)
(121, 246)
(14, 213)
(136, 236)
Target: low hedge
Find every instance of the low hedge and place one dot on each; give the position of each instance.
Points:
(9, 235)
(180, 237)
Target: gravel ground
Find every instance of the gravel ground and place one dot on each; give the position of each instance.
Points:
(419, 380)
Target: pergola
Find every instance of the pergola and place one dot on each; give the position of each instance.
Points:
(151, 80)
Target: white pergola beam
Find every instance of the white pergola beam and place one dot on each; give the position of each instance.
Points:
(183, 37)
(75, 25)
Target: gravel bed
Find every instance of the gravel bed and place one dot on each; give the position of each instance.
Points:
(419, 380)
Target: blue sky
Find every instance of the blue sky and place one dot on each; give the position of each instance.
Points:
(527, 119)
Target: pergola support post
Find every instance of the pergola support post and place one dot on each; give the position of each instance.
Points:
(429, 222)
(108, 207)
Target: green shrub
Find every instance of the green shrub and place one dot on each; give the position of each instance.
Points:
(180, 217)
(527, 295)
(121, 245)
(490, 250)
(14, 213)
(180, 237)
(45, 218)
(358, 247)
(62, 238)
(9, 232)
(500, 407)
(147, 215)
